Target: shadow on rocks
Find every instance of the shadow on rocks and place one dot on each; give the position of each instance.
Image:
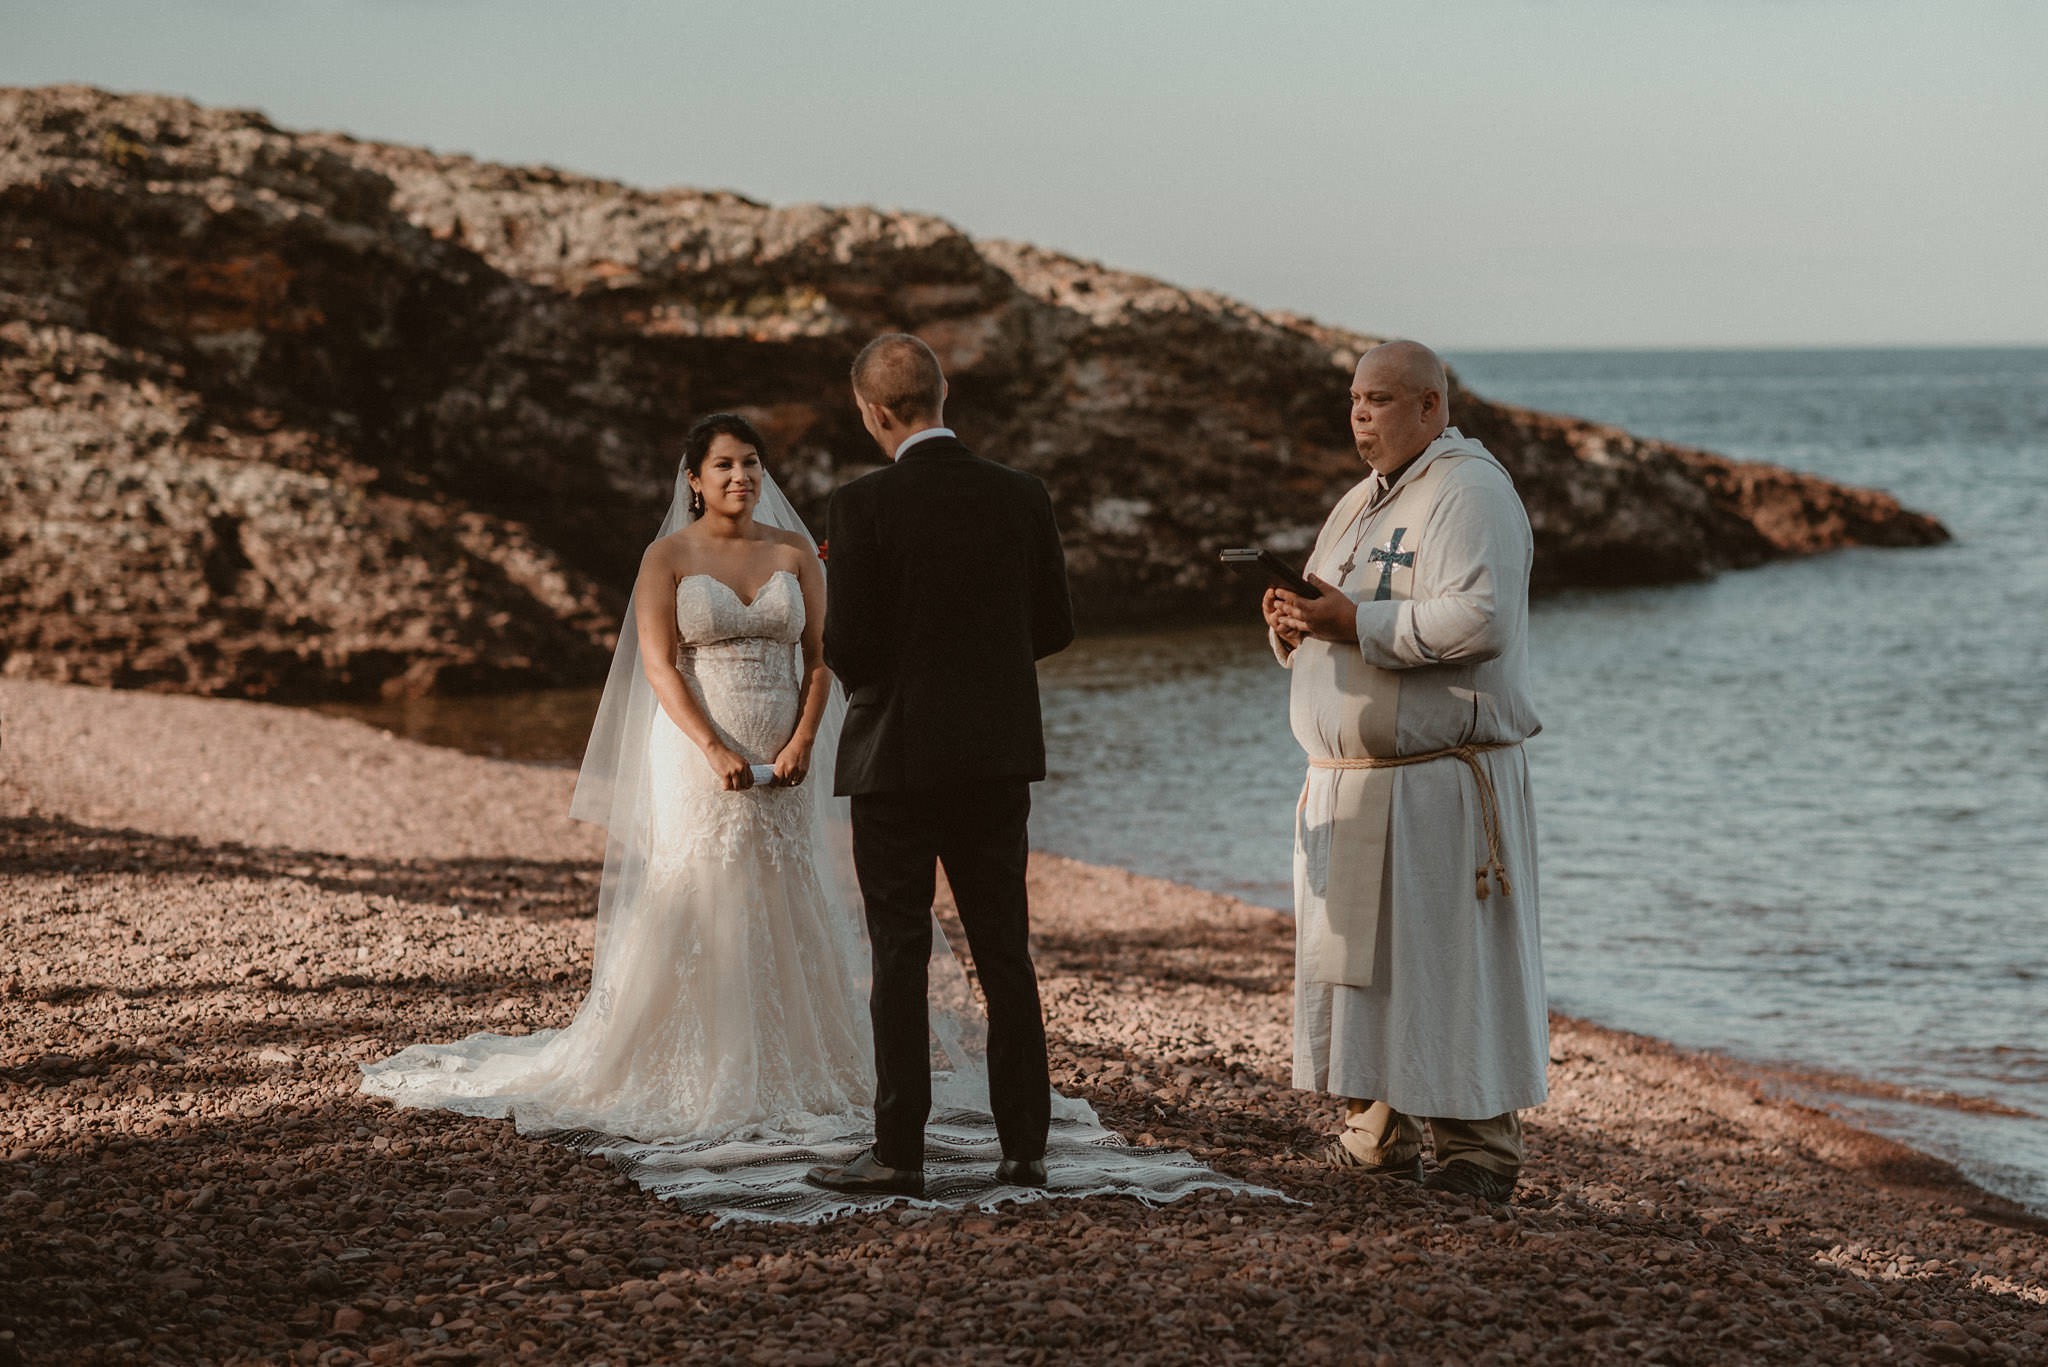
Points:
(536, 889)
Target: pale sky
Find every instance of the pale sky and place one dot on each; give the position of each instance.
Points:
(1486, 173)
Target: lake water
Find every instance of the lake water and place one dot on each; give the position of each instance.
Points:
(1795, 814)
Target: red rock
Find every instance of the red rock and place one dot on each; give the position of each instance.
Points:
(238, 519)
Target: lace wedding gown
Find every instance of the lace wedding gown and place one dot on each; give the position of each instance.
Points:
(724, 1046)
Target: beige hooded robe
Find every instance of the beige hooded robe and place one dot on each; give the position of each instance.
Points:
(1409, 988)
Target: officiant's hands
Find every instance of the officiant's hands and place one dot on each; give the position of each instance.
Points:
(734, 773)
(1278, 621)
(1332, 617)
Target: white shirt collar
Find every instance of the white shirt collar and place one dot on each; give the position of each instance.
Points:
(922, 434)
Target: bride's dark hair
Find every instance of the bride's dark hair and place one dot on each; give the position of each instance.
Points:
(708, 429)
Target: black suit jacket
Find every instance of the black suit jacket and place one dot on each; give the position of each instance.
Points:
(946, 583)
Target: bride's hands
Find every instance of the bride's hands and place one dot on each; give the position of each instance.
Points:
(794, 763)
(733, 772)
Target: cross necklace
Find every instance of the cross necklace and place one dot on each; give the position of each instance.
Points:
(1389, 556)
(1358, 520)
(1351, 560)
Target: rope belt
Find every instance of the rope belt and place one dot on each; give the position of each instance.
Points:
(1489, 801)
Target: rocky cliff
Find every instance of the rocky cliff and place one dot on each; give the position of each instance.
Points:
(294, 415)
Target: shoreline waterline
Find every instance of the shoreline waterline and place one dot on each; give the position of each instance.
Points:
(1115, 683)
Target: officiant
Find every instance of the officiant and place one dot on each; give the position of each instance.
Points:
(1419, 995)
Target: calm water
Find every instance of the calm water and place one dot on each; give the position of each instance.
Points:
(1795, 814)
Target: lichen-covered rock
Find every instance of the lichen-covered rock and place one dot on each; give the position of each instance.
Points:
(295, 415)
(146, 546)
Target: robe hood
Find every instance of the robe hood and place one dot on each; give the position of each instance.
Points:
(1451, 443)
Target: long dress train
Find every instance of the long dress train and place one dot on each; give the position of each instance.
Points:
(724, 1046)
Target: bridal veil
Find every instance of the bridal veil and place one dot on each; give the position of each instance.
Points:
(752, 1170)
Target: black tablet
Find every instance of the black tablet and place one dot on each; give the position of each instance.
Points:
(1268, 569)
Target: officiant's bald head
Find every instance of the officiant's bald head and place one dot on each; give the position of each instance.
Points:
(1400, 403)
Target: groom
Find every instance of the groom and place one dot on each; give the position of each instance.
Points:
(947, 585)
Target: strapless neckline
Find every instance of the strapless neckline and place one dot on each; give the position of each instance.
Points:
(744, 603)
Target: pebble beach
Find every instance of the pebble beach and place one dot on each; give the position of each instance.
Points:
(214, 911)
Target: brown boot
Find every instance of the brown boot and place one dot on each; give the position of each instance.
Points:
(1373, 1144)
(1469, 1179)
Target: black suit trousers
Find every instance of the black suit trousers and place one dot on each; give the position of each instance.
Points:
(977, 832)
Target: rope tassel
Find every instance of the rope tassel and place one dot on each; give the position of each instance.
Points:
(1489, 801)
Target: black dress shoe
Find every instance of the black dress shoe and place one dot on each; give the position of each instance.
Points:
(1469, 1179)
(1021, 1172)
(869, 1176)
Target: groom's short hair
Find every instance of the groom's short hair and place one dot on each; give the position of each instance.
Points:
(899, 372)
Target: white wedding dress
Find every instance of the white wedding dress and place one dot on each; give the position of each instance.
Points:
(724, 1046)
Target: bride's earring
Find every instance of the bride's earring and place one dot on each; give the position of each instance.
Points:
(696, 501)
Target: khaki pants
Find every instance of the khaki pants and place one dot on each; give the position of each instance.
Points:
(1376, 1133)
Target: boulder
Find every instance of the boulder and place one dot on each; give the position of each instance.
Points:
(298, 416)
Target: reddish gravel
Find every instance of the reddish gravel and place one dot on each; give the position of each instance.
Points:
(203, 947)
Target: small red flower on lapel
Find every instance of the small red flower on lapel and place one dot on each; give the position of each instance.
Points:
(822, 545)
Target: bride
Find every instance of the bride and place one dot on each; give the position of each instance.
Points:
(724, 1045)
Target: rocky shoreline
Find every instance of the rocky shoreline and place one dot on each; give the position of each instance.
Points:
(218, 909)
(298, 416)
